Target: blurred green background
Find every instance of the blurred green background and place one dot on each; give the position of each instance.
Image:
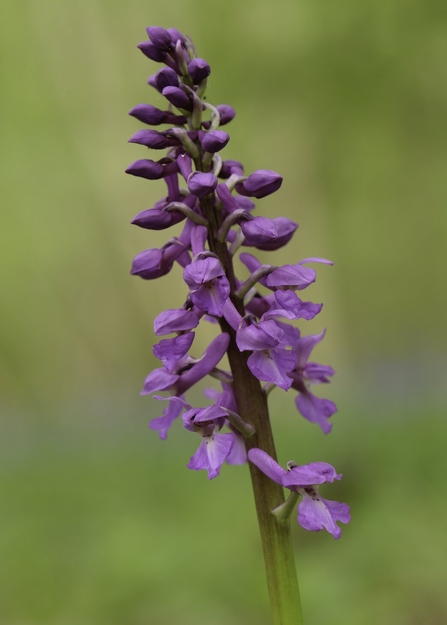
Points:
(100, 522)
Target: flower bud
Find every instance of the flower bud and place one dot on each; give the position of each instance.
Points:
(215, 140)
(148, 114)
(231, 167)
(260, 183)
(176, 35)
(199, 70)
(159, 37)
(152, 52)
(165, 77)
(152, 139)
(227, 113)
(201, 184)
(177, 97)
(146, 168)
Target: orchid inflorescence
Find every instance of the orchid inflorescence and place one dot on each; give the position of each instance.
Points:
(217, 213)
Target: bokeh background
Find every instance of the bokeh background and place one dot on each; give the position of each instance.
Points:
(100, 522)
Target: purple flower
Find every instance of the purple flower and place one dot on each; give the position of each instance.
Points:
(152, 139)
(157, 218)
(170, 414)
(215, 448)
(146, 168)
(289, 300)
(152, 52)
(169, 351)
(227, 113)
(260, 183)
(201, 184)
(175, 320)
(292, 277)
(215, 140)
(154, 263)
(312, 408)
(165, 77)
(178, 98)
(199, 70)
(160, 37)
(208, 284)
(148, 114)
(270, 361)
(187, 371)
(229, 168)
(314, 512)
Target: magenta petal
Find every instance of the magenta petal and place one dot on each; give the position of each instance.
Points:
(212, 453)
(316, 513)
(309, 474)
(273, 366)
(209, 285)
(267, 465)
(259, 230)
(238, 455)
(294, 276)
(302, 310)
(316, 410)
(258, 336)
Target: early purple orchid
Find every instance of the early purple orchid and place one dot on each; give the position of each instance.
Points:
(210, 196)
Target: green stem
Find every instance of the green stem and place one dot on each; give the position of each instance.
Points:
(252, 407)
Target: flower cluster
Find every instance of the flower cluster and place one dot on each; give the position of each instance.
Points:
(213, 198)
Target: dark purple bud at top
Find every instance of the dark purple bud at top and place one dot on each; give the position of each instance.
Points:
(146, 168)
(177, 97)
(231, 167)
(159, 37)
(201, 184)
(260, 183)
(199, 70)
(152, 139)
(148, 114)
(215, 140)
(152, 52)
(165, 77)
(176, 35)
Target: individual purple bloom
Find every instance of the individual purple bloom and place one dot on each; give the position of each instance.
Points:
(177, 97)
(269, 362)
(201, 184)
(188, 371)
(170, 414)
(169, 351)
(215, 448)
(146, 168)
(260, 183)
(245, 203)
(312, 408)
(165, 77)
(314, 512)
(152, 139)
(258, 305)
(176, 35)
(199, 69)
(285, 229)
(160, 37)
(227, 113)
(258, 230)
(148, 114)
(228, 201)
(215, 140)
(154, 263)
(291, 277)
(208, 284)
(157, 218)
(289, 300)
(175, 320)
(152, 52)
(230, 167)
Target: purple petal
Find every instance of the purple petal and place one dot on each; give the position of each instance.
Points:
(212, 453)
(152, 52)
(215, 140)
(267, 465)
(238, 454)
(258, 336)
(165, 77)
(294, 276)
(158, 380)
(157, 219)
(202, 184)
(316, 513)
(151, 139)
(309, 474)
(160, 37)
(209, 286)
(175, 320)
(199, 69)
(169, 351)
(259, 230)
(162, 424)
(273, 365)
(210, 358)
(148, 114)
(302, 310)
(305, 346)
(177, 97)
(316, 410)
(318, 374)
(145, 168)
(260, 183)
(285, 229)
(230, 167)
